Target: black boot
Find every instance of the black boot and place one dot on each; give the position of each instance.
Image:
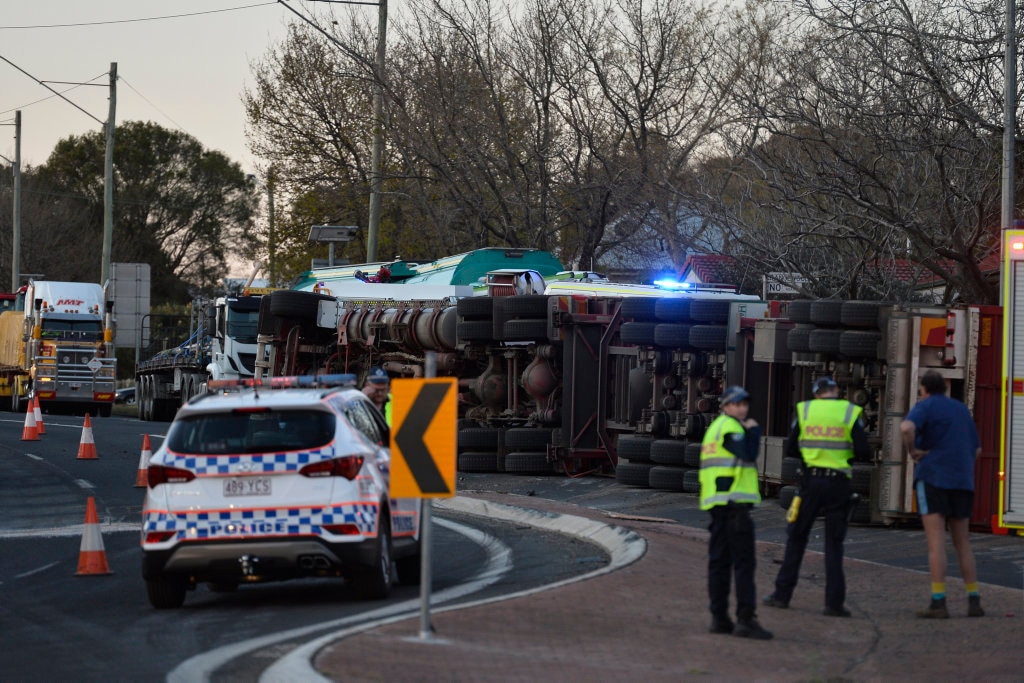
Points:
(721, 624)
(750, 628)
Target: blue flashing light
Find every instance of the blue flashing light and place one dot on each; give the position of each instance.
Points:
(665, 283)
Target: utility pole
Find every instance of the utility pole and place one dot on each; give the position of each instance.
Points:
(373, 223)
(16, 201)
(108, 179)
(271, 275)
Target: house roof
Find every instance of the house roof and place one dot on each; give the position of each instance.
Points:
(709, 269)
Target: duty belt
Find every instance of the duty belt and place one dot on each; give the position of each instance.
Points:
(824, 472)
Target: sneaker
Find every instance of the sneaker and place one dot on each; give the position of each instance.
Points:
(721, 625)
(772, 601)
(974, 606)
(749, 628)
(936, 610)
(833, 612)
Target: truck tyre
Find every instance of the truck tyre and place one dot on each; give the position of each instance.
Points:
(474, 330)
(104, 409)
(269, 324)
(824, 340)
(527, 439)
(860, 343)
(475, 307)
(709, 337)
(286, 303)
(633, 473)
(672, 335)
(691, 481)
(474, 461)
(799, 311)
(861, 313)
(526, 306)
(639, 308)
(637, 333)
(827, 312)
(672, 310)
(861, 512)
(525, 330)
(692, 456)
(860, 481)
(709, 311)
(669, 452)
(798, 338)
(634, 447)
(485, 439)
(17, 402)
(521, 462)
(667, 478)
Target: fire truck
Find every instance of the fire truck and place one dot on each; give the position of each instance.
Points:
(597, 377)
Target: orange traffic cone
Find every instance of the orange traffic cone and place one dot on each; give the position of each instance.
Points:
(30, 432)
(87, 447)
(38, 412)
(92, 559)
(142, 476)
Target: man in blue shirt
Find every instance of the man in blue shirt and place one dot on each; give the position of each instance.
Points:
(940, 436)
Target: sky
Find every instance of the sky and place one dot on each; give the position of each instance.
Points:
(184, 73)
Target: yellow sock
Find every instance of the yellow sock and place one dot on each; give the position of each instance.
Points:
(938, 590)
(972, 588)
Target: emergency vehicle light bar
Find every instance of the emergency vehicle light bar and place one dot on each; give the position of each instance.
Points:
(290, 382)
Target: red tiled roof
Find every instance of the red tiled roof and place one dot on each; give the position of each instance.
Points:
(708, 269)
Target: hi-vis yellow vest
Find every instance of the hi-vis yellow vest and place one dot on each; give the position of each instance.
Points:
(826, 427)
(716, 462)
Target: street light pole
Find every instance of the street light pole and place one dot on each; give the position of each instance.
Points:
(16, 201)
(376, 152)
(108, 179)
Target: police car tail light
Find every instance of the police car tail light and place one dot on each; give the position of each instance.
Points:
(342, 529)
(159, 536)
(347, 466)
(158, 474)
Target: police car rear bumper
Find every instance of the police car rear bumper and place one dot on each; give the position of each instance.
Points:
(264, 559)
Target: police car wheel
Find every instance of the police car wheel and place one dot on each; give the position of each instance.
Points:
(373, 582)
(408, 569)
(166, 592)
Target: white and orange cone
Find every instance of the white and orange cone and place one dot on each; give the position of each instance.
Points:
(92, 558)
(87, 447)
(30, 432)
(142, 476)
(38, 412)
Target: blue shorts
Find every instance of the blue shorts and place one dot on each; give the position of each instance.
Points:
(951, 503)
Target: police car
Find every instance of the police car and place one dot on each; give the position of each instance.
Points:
(269, 481)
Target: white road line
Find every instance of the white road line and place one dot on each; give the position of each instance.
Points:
(36, 571)
(84, 484)
(499, 563)
(76, 530)
(34, 457)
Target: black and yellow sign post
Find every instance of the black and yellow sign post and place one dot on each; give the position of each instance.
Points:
(423, 434)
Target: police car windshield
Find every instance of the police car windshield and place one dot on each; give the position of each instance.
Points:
(251, 432)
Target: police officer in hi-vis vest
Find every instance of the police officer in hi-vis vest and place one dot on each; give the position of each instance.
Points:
(728, 490)
(827, 433)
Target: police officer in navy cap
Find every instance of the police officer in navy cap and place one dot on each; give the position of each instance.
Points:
(378, 388)
(728, 491)
(827, 433)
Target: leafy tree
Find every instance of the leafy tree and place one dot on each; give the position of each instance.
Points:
(177, 206)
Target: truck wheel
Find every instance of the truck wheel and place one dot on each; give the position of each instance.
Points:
(691, 481)
(798, 338)
(294, 304)
(827, 312)
(634, 448)
(672, 310)
(527, 439)
(824, 340)
(667, 478)
(709, 337)
(668, 452)
(525, 330)
(527, 306)
(473, 461)
(479, 439)
(639, 333)
(475, 307)
(672, 335)
(710, 311)
(17, 403)
(638, 307)
(860, 343)
(528, 463)
(474, 330)
(692, 456)
(861, 313)
(633, 473)
(104, 409)
(860, 481)
(799, 311)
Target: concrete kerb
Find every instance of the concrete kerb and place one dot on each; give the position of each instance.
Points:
(623, 546)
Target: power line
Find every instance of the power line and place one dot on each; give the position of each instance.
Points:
(132, 21)
(162, 112)
(50, 97)
(52, 90)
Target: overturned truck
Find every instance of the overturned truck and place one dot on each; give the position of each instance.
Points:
(622, 380)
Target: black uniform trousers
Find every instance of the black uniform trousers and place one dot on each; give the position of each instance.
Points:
(831, 495)
(731, 550)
